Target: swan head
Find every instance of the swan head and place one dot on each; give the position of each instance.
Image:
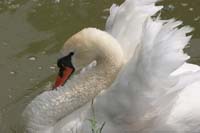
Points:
(82, 49)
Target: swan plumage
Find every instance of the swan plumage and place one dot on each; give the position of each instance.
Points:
(154, 91)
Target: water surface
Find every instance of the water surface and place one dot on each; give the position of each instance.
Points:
(32, 33)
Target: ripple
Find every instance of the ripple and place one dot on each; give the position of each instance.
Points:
(14, 6)
(191, 9)
(52, 67)
(32, 58)
(57, 1)
(4, 43)
(44, 52)
(10, 96)
(12, 72)
(197, 18)
(39, 68)
(32, 80)
(169, 7)
(39, 4)
(184, 4)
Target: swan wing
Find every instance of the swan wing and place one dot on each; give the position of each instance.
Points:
(126, 21)
(145, 90)
(160, 54)
(161, 51)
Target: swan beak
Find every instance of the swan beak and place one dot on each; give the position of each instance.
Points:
(63, 76)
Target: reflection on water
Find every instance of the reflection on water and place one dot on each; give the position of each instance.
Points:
(32, 32)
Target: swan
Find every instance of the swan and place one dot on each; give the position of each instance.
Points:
(135, 72)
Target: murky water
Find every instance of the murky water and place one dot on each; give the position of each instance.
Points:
(32, 32)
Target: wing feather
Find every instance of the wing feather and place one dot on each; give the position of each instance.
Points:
(145, 87)
(126, 21)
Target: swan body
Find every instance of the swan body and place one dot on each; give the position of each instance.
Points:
(140, 82)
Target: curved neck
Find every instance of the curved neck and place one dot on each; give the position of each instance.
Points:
(78, 91)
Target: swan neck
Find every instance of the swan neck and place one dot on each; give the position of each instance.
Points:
(84, 87)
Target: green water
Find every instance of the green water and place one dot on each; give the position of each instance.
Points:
(32, 33)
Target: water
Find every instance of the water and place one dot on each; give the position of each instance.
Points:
(32, 33)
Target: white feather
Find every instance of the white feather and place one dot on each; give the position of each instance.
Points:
(126, 21)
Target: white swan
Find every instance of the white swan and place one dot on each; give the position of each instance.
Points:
(141, 66)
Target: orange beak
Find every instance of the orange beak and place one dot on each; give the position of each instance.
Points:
(63, 76)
